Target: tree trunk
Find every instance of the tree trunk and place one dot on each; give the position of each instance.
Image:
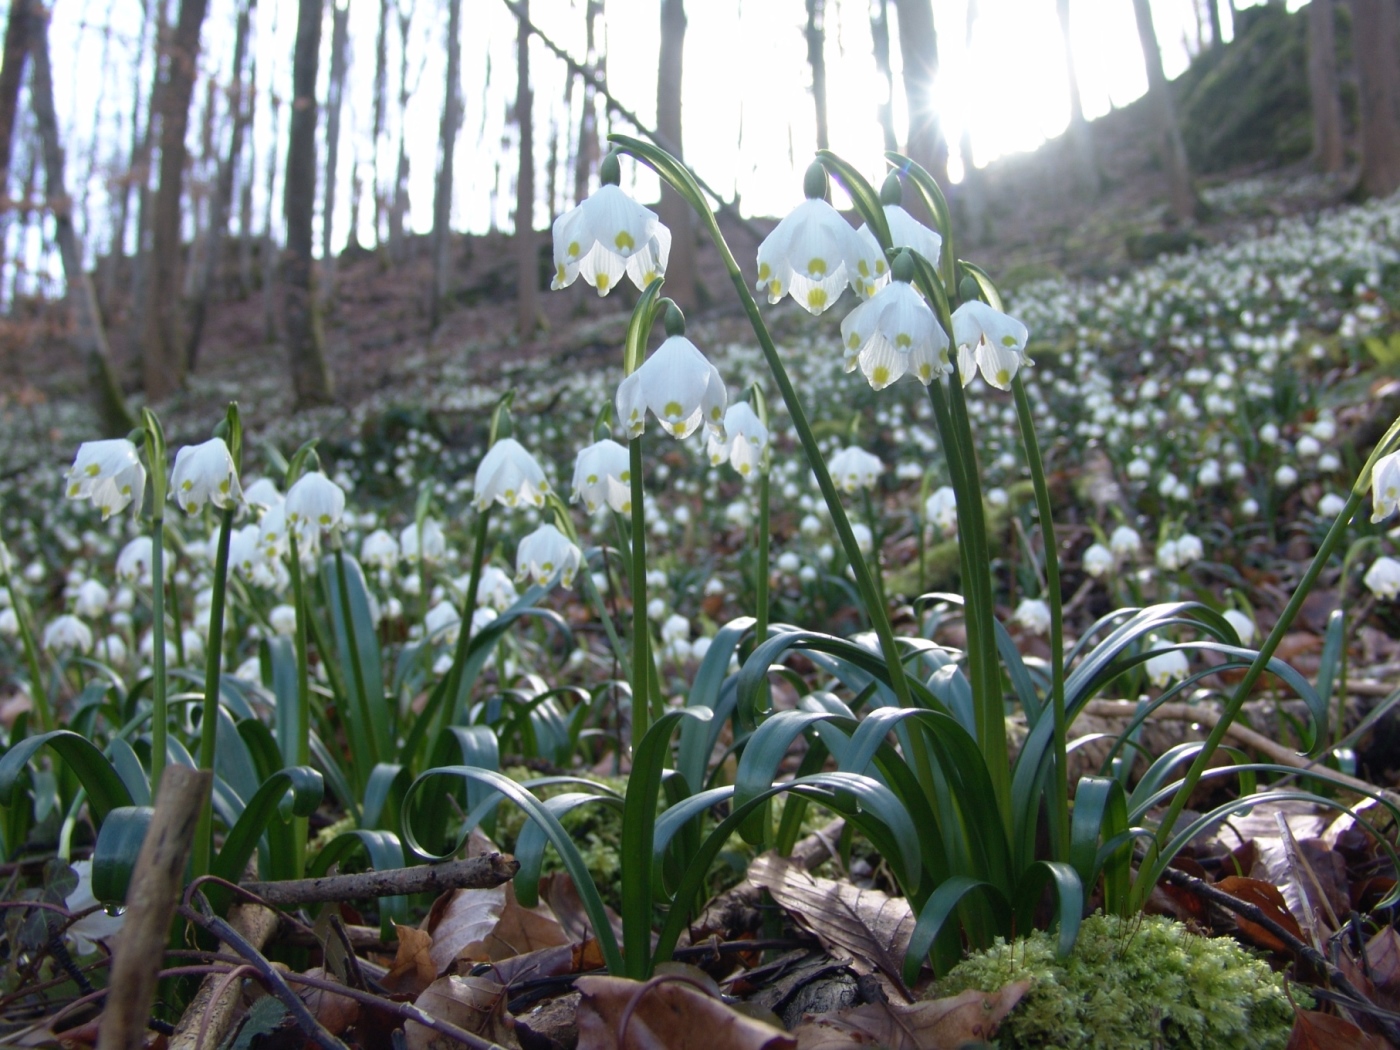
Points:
(301, 320)
(1217, 30)
(527, 269)
(816, 58)
(1322, 86)
(381, 105)
(145, 197)
(918, 45)
(245, 192)
(587, 157)
(880, 38)
(399, 206)
(19, 30)
(673, 210)
(340, 47)
(267, 263)
(240, 113)
(1173, 150)
(447, 151)
(91, 339)
(1375, 39)
(1081, 140)
(163, 359)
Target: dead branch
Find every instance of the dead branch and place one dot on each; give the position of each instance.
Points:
(483, 872)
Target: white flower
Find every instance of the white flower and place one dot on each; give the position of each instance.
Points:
(272, 532)
(1385, 486)
(1383, 578)
(509, 475)
(91, 600)
(812, 255)
(1098, 560)
(442, 623)
(1169, 665)
(905, 232)
(1189, 549)
(1209, 474)
(1330, 505)
(744, 442)
(1138, 468)
(434, 542)
(205, 473)
(9, 622)
(98, 926)
(853, 468)
(988, 340)
(1268, 433)
(1308, 447)
(7, 562)
(680, 387)
(1168, 556)
(941, 508)
(262, 494)
(314, 505)
(67, 633)
(283, 620)
(865, 539)
(605, 235)
(1125, 542)
(894, 333)
(1243, 625)
(135, 560)
(1033, 614)
(1285, 476)
(112, 649)
(675, 629)
(380, 550)
(789, 562)
(700, 647)
(1249, 506)
(495, 589)
(543, 553)
(602, 474)
(107, 472)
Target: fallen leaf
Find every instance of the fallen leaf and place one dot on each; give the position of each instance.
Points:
(1267, 898)
(413, 968)
(1383, 960)
(872, 926)
(476, 1004)
(336, 1013)
(665, 1015)
(460, 919)
(558, 891)
(519, 930)
(1319, 1031)
(935, 1024)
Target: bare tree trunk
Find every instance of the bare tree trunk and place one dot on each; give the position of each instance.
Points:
(25, 218)
(136, 168)
(880, 37)
(972, 195)
(399, 206)
(91, 340)
(527, 269)
(918, 45)
(447, 150)
(240, 112)
(1322, 86)
(1081, 140)
(163, 358)
(1173, 150)
(1217, 30)
(18, 32)
(587, 157)
(245, 192)
(673, 210)
(141, 176)
(1375, 39)
(268, 251)
(381, 105)
(340, 46)
(301, 319)
(816, 58)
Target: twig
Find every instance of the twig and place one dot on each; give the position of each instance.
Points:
(211, 1012)
(150, 904)
(483, 872)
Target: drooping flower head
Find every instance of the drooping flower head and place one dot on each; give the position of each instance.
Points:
(315, 504)
(543, 553)
(1033, 614)
(205, 473)
(894, 333)
(1169, 664)
(677, 384)
(854, 469)
(905, 232)
(1383, 578)
(608, 234)
(67, 633)
(1385, 487)
(988, 340)
(434, 541)
(380, 550)
(941, 508)
(743, 442)
(509, 475)
(107, 472)
(602, 473)
(813, 253)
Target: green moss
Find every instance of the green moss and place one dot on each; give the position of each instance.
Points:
(1143, 983)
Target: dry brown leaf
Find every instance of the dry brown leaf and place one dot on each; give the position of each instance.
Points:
(935, 1024)
(666, 1015)
(474, 1003)
(872, 926)
(543, 962)
(413, 968)
(336, 1013)
(1383, 959)
(1267, 898)
(518, 931)
(1319, 1031)
(460, 919)
(558, 891)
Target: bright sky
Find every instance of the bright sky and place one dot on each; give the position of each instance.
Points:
(748, 114)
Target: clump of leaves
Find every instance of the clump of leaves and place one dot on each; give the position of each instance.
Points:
(1145, 982)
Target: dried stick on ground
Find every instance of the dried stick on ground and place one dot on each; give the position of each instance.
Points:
(150, 903)
(255, 923)
(484, 872)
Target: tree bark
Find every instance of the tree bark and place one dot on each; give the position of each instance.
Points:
(381, 105)
(880, 39)
(527, 269)
(399, 206)
(163, 359)
(918, 45)
(340, 47)
(1322, 86)
(311, 378)
(89, 336)
(245, 193)
(19, 30)
(673, 210)
(447, 152)
(587, 157)
(1217, 30)
(1376, 43)
(267, 263)
(240, 113)
(816, 58)
(1081, 137)
(1173, 150)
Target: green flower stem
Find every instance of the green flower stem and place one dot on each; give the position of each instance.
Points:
(877, 542)
(1052, 588)
(760, 627)
(159, 717)
(357, 671)
(642, 672)
(454, 707)
(1154, 863)
(38, 692)
(209, 721)
(175, 621)
(297, 750)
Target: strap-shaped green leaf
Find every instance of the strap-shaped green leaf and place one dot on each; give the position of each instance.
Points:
(1100, 814)
(384, 852)
(863, 195)
(115, 852)
(366, 716)
(529, 845)
(94, 771)
(262, 812)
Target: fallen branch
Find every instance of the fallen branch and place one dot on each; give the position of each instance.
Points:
(214, 1008)
(483, 872)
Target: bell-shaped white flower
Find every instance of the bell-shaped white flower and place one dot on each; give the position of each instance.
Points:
(136, 559)
(1243, 624)
(941, 508)
(543, 553)
(1385, 486)
(434, 541)
(109, 473)
(1033, 614)
(1383, 578)
(892, 333)
(1125, 542)
(743, 442)
(205, 473)
(905, 232)
(1168, 665)
(442, 622)
(510, 475)
(244, 551)
(262, 494)
(496, 589)
(603, 474)
(680, 387)
(283, 620)
(91, 599)
(988, 340)
(380, 550)
(812, 255)
(1098, 560)
(273, 532)
(7, 561)
(66, 634)
(854, 469)
(315, 504)
(608, 234)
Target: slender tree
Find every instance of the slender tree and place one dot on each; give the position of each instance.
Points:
(163, 358)
(447, 151)
(1322, 86)
(18, 32)
(268, 249)
(1081, 137)
(816, 58)
(587, 156)
(918, 46)
(381, 106)
(880, 42)
(1171, 147)
(91, 340)
(673, 210)
(335, 94)
(245, 192)
(398, 207)
(526, 260)
(1375, 34)
(301, 319)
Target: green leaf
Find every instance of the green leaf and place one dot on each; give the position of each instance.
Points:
(103, 784)
(1100, 814)
(263, 814)
(367, 718)
(863, 195)
(697, 739)
(384, 852)
(665, 165)
(114, 855)
(639, 328)
(529, 845)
